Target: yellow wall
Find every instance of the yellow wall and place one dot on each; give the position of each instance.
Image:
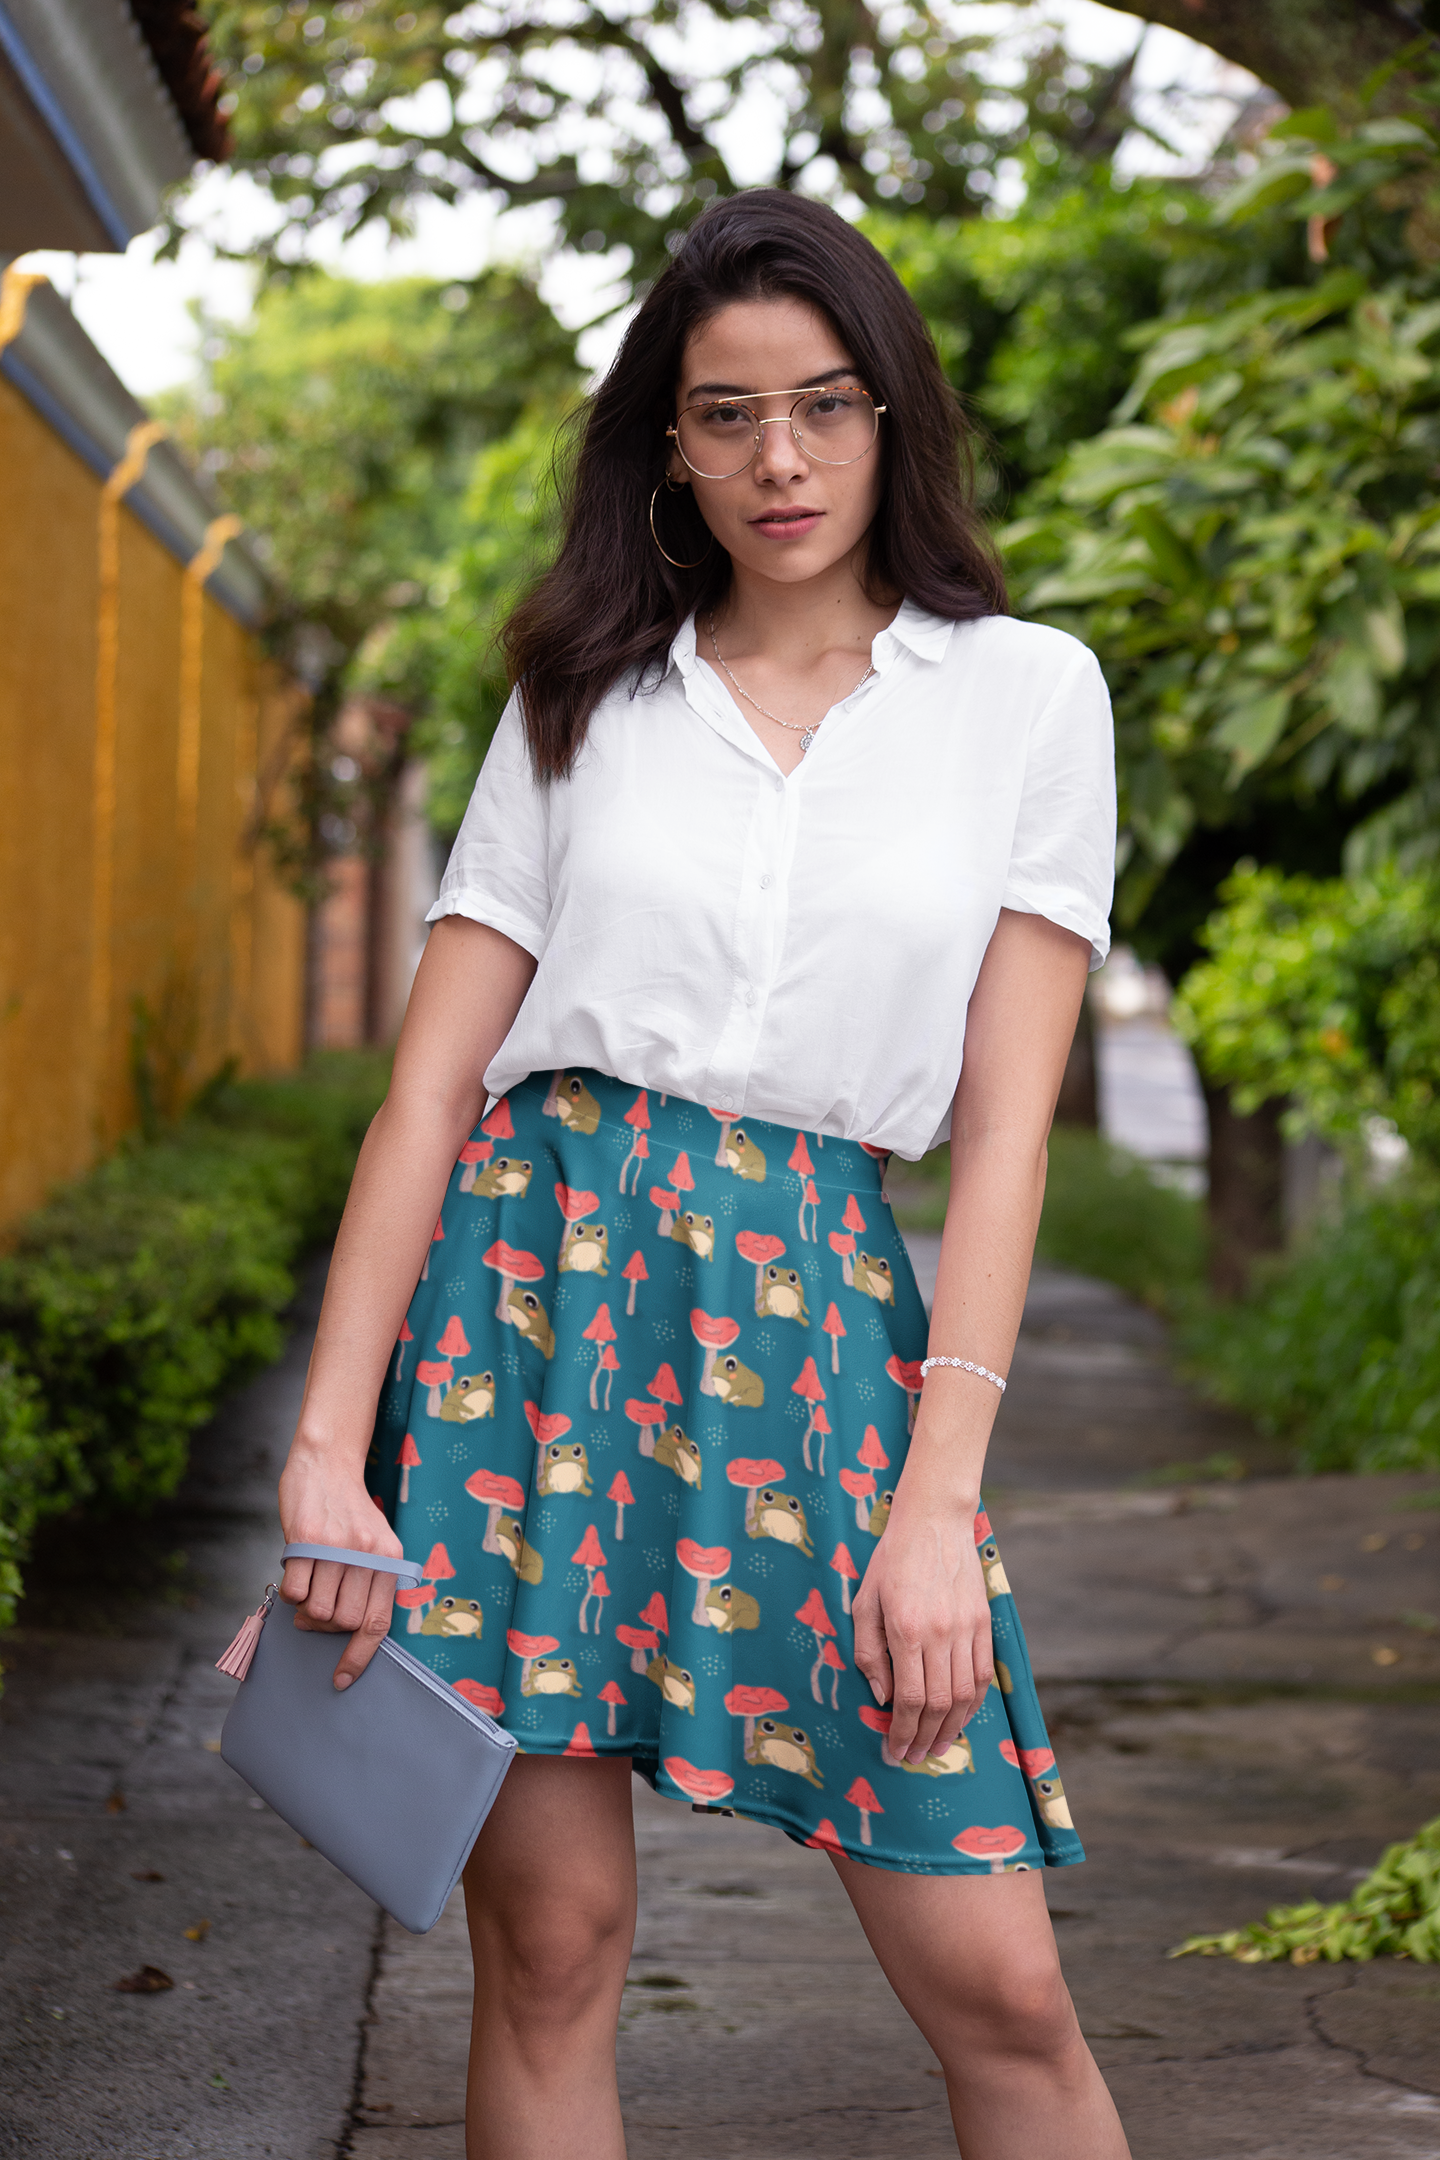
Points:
(191, 917)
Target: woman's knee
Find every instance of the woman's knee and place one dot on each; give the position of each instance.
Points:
(552, 1957)
(1020, 2008)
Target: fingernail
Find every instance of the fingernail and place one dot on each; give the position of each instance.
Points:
(342, 1681)
(877, 1692)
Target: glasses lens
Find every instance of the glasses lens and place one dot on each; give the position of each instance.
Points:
(836, 426)
(716, 440)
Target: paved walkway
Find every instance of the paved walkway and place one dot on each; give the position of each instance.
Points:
(1241, 1681)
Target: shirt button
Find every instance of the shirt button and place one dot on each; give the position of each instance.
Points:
(725, 1103)
(766, 882)
(749, 997)
(779, 787)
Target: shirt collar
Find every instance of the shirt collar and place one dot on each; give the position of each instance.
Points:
(925, 635)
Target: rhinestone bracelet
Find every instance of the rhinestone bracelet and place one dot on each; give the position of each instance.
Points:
(981, 1372)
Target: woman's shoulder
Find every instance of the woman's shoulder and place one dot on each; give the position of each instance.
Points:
(1033, 651)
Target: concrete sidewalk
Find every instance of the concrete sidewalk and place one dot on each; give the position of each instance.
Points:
(1241, 1682)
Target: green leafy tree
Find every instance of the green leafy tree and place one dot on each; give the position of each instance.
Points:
(1326, 992)
(443, 661)
(347, 111)
(342, 423)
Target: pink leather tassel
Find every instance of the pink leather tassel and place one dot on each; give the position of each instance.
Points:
(236, 1661)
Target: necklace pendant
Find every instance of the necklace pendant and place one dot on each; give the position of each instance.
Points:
(806, 739)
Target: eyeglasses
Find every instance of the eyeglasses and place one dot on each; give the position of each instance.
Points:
(719, 437)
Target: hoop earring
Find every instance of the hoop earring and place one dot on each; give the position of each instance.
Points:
(666, 483)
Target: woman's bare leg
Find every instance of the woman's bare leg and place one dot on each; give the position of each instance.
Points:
(973, 1959)
(550, 1900)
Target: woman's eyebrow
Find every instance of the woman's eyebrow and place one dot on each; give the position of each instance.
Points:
(810, 381)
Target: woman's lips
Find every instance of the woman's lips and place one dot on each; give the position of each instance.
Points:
(787, 524)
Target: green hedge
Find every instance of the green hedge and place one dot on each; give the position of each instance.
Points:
(143, 1291)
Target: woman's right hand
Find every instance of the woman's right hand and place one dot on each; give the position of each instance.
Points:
(320, 1506)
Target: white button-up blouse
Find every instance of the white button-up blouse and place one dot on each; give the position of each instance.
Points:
(800, 949)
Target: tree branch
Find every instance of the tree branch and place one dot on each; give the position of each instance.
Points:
(1312, 51)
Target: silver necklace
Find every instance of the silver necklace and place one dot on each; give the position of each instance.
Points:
(804, 729)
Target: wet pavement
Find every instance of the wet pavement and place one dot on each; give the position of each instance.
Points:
(1241, 1681)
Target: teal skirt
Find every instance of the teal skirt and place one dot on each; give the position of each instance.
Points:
(643, 1425)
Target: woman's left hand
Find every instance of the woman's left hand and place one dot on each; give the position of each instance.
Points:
(922, 1622)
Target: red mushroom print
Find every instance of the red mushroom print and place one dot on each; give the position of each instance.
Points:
(707, 1563)
(703, 1787)
(408, 1459)
(434, 1373)
(613, 1700)
(682, 1177)
(995, 1845)
(751, 1474)
(488, 1699)
(610, 1365)
(599, 1590)
(499, 1125)
(413, 1598)
(841, 1242)
(848, 1573)
(495, 1493)
(437, 1567)
(906, 1373)
(872, 1455)
(861, 1487)
(852, 1218)
(655, 1614)
(437, 1237)
(752, 1702)
(622, 1496)
(669, 1205)
(831, 1659)
(591, 1557)
(820, 1426)
(527, 1648)
(452, 1343)
(600, 1331)
(641, 1643)
(634, 1272)
(546, 1425)
(649, 1416)
(713, 1336)
(664, 1388)
(404, 1337)
(826, 1838)
(580, 1743)
(512, 1266)
(472, 1155)
(726, 1118)
(811, 1200)
(862, 1796)
(833, 1326)
(800, 1161)
(810, 1389)
(759, 1251)
(637, 1117)
(574, 1206)
(812, 1614)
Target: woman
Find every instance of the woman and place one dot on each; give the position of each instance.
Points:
(784, 815)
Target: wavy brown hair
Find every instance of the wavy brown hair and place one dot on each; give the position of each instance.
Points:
(610, 604)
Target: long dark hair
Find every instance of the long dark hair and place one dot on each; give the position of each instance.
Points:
(611, 603)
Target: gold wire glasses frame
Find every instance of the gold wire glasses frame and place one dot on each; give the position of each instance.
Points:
(833, 419)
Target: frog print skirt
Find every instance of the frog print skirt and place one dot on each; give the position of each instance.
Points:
(642, 1425)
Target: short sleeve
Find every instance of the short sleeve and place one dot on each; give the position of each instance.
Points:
(498, 872)
(1062, 860)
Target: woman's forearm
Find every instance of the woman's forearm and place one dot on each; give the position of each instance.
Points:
(997, 1182)
(470, 986)
(1021, 1021)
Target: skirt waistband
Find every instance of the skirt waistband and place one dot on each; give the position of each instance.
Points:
(665, 1130)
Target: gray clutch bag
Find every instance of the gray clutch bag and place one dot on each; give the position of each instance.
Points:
(391, 1778)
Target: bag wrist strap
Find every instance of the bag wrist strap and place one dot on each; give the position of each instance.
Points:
(409, 1571)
